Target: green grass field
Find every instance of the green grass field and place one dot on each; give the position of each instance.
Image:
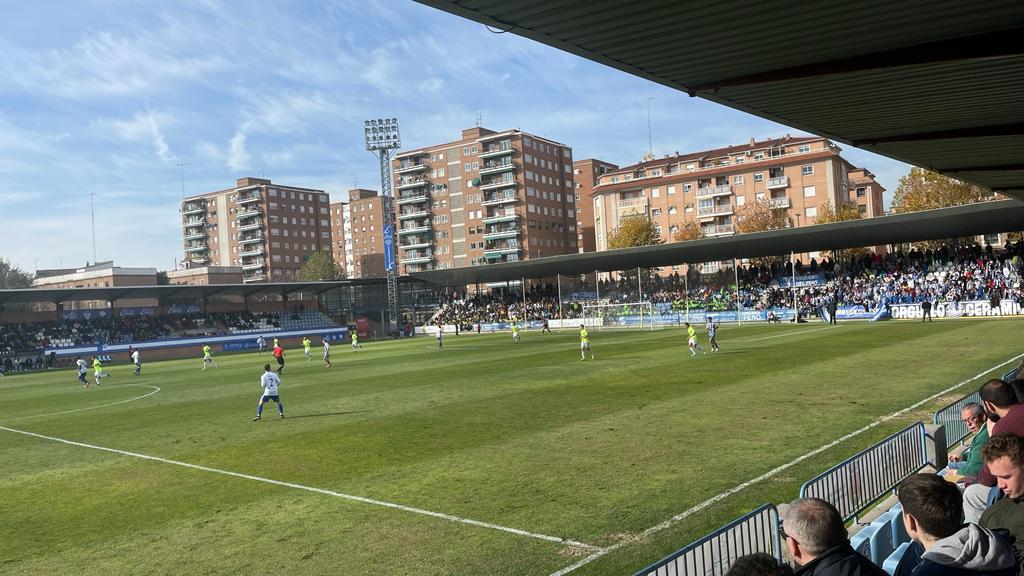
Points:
(525, 437)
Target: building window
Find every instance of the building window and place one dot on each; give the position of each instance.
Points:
(655, 192)
(862, 208)
(687, 187)
(808, 191)
(758, 176)
(671, 190)
(737, 179)
(811, 212)
(860, 192)
(804, 148)
(807, 170)
(741, 200)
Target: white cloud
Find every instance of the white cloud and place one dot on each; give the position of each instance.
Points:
(143, 127)
(238, 157)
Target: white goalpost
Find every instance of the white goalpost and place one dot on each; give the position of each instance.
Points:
(630, 314)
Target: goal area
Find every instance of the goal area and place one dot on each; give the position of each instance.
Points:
(630, 314)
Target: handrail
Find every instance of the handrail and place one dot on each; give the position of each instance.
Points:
(949, 417)
(712, 555)
(857, 482)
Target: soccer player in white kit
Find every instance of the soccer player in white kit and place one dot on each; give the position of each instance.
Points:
(83, 369)
(261, 343)
(137, 360)
(327, 353)
(269, 382)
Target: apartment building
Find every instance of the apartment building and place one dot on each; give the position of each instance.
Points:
(359, 245)
(585, 175)
(488, 197)
(797, 174)
(268, 229)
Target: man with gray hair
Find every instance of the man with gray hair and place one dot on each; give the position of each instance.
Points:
(968, 463)
(819, 544)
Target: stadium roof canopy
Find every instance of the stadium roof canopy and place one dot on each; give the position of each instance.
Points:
(970, 220)
(175, 291)
(935, 83)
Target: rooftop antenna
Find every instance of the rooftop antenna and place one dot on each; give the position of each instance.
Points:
(181, 170)
(261, 170)
(479, 116)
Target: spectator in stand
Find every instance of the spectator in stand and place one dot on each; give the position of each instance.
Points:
(933, 517)
(758, 564)
(968, 463)
(818, 543)
(1004, 456)
(1001, 406)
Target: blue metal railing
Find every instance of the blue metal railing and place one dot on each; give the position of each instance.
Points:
(857, 482)
(712, 555)
(949, 416)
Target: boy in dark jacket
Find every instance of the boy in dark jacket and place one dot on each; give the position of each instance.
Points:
(933, 516)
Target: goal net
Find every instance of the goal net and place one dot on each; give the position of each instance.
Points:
(632, 314)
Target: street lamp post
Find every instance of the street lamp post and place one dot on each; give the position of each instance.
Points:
(382, 138)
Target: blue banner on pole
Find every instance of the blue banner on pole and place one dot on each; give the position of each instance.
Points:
(389, 248)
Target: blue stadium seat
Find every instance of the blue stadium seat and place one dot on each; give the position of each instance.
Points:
(861, 542)
(899, 531)
(881, 543)
(893, 561)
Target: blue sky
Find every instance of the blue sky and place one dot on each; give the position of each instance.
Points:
(107, 97)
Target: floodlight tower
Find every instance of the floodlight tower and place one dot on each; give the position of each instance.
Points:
(382, 139)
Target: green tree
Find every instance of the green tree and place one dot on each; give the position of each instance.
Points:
(635, 230)
(12, 277)
(925, 190)
(320, 266)
(688, 231)
(760, 217)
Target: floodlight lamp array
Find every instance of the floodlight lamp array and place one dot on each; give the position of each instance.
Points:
(382, 134)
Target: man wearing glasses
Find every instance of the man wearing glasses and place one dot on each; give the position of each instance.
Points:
(968, 464)
(818, 542)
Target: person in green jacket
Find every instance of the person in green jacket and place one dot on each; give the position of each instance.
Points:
(968, 464)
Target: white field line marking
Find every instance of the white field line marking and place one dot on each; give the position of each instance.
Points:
(147, 395)
(714, 499)
(362, 499)
(788, 334)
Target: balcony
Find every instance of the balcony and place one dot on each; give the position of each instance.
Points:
(718, 230)
(199, 235)
(778, 202)
(411, 167)
(712, 191)
(195, 248)
(248, 198)
(500, 218)
(257, 277)
(406, 184)
(499, 199)
(499, 233)
(631, 206)
(414, 243)
(416, 267)
(494, 253)
(497, 167)
(251, 238)
(190, 222)
(257, 265)
(255, 251)
(497, 150)
(417, 257)
(499, 183)
(247, 213)
(779, 182)
(412, 199)
(198, 259)
(414, 228)
(418, 213)
(194, 209)
(710, 211)
(254, 225)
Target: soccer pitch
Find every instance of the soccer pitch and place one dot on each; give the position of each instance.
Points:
(483, 458)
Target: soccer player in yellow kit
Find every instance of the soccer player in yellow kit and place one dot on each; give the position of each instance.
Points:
(306, 343)
(585, 343)
(691, 341)
(515, 332)
(208, 356)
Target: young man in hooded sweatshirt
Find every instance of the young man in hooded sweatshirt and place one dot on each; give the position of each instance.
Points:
(933, 516)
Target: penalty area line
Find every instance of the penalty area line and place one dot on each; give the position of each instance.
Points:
(325, 492)
(147, 395)
(739, 487)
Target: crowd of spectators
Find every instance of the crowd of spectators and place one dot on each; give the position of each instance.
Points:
(30, 336)
(971, 272)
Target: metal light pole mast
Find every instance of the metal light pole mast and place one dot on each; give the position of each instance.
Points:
(382, 139)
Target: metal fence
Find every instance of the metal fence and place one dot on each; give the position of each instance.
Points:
(854, 484)
(712, 555)
(949, 416)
